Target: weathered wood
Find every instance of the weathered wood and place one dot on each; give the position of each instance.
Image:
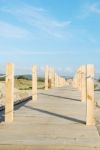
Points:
(83, 90)
(80, 76)
(90, 95)
(77, 74)
(9, 93)
(55, 79)
(46, 77)
(52, 78)
(34, 82)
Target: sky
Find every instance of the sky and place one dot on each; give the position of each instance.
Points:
(61, 33)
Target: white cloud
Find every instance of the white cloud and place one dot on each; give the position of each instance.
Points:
(10, 31)
(38, 18)
(95, 8)
(88, 9)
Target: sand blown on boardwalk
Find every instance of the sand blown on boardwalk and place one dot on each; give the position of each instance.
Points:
(22, 89)
(18, 94)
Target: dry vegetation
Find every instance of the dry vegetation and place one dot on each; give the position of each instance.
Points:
(22, 89)
(23, 84)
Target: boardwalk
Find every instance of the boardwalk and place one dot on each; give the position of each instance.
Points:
(56, 121)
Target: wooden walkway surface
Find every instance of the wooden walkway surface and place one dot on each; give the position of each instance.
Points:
(56, 121)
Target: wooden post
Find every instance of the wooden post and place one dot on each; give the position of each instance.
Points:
(46, 78)
(83, 67)
(34, 82)
(50, 77)
(9, 93)
(58, 81)
(55, 79)
(75, 81)
(90, 95)
(79, 74)
(78, 79)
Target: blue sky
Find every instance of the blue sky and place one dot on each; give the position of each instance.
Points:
(60, 33)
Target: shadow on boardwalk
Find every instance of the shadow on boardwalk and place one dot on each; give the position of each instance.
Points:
(68, 98)
(97, 90)
(2, 116)
(17, 105)
(56, 115)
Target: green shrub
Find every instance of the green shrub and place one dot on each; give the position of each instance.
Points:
(2, 79)
(22, 77)
(40, 79)
(95, 86)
